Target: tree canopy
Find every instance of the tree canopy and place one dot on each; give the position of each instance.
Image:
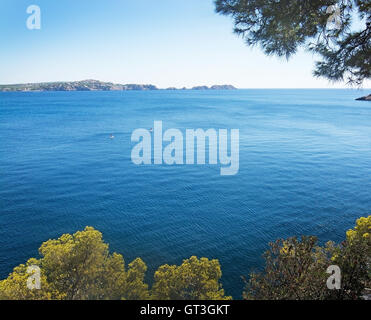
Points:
(80, 267)
(339, 31)
(296, 269)
(195, 279)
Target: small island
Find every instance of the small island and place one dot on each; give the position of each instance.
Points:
(366, 98)
(95, 85)
(216, 87)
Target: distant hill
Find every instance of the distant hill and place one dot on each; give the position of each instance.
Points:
(95, 85)
(216, 87)
(85, 85)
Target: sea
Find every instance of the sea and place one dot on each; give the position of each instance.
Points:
(304, 169)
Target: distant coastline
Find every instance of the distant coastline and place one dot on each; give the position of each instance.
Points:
(365, 98)
(96, 85)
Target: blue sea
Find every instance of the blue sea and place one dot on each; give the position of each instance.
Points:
(305, 169)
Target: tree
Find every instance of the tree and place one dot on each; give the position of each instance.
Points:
(325, 27)
(79, 267)
(296, 269)
(354, 259)
(195, 279)
(135, 288)
(15, 286)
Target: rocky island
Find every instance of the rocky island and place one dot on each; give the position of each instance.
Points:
(94, 85)
(366, 98)
(216, 87)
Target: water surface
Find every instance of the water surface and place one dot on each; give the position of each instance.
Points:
(305, 167)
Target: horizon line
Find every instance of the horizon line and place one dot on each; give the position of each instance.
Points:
(197, 85)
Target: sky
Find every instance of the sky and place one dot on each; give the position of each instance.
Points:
(181, 43)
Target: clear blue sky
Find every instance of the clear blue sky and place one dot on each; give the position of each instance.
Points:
(165, 42)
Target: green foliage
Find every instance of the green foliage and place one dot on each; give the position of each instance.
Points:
(195, 279)
(79, 267)
(354, 259)
(135, 288)
(296, 270)
(280, 27)
(15, 286)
